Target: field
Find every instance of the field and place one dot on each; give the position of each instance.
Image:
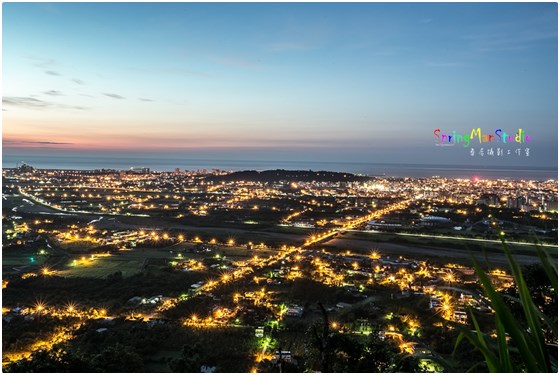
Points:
(130, 262)
(100, 268)
(433, 248)
(18, 258)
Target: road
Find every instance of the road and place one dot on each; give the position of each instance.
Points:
(434, 236)
(46, 204)
(353, 223)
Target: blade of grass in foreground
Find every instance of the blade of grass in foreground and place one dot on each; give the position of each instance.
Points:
(549, 268)
(479, 341)
(510, 324)
(536, 338)
(505, 359)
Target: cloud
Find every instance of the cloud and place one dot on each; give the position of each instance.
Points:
(114, 96)
(52, 73)
(42, 63)
(14, 142)
(78, 81)
(187, 72)
(53, 93)
(511, 37)
(146, 100)
(33, 103)
(167, 70)
(234, 61)
(26, 102)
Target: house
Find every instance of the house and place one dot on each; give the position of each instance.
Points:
(295, 310)
(284, 355)
(460, 316)
(259, 332)
(343, 305)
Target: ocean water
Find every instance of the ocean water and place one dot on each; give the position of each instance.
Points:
(371, 169)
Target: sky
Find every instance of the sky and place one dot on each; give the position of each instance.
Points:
(361, 82)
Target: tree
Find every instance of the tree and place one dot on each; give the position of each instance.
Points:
(58, 359)
(190, 361)
(337, 352)
(321, 341)
(118, 358)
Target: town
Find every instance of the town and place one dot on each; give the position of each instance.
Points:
(159, 268)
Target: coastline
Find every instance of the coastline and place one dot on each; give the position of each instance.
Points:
(398, 170)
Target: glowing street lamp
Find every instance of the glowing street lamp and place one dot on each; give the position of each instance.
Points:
(39, 307)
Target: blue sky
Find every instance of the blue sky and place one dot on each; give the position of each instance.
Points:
(364, 82)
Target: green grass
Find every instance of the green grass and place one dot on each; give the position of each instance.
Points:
(525, 341)
(100, 268)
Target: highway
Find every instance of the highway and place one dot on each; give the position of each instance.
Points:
(433, 236)
(353, 223)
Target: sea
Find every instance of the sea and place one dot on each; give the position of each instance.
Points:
(370, 169)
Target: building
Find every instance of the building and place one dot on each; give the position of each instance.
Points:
(295, 310)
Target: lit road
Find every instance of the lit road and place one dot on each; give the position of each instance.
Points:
(350, 224)
(454, 238)
(42, 202)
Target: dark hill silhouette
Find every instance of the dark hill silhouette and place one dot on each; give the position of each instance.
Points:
(287, 175)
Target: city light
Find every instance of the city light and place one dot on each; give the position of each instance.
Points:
(324, 242)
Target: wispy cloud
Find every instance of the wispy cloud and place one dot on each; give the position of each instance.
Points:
(78, 81)
(52, 72)
(186, 72)
(34, 103)
(173, 70)
(510, 37)
(17, 142)
(26, 102)
(146, 100)
(507, 42)
(53, 93)
(234, 61)
(41, 62)
(112, 95)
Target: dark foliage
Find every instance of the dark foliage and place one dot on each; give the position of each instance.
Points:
(286, 175)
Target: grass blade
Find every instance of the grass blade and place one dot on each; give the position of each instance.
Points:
(510, 323)
(536, 337)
